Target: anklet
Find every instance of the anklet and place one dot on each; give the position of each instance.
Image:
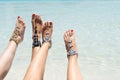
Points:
(15, 35)
(47, 39)
(36, 43)
(71, 52)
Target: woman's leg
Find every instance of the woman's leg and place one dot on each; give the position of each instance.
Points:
(36, 30)
(36, 68)
(73, 72)
(7, 56)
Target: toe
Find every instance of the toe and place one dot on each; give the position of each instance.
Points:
(33, 16)
(51, 24)
(72, 32)
(19, 20)
(18, 17)
(67, 33)
(36, 17)
(65, 37)
(48, 24)
(39, 17)
(45, 24)
(23, 22)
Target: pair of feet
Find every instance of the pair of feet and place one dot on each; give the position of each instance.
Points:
(45, 29)
(38, 29)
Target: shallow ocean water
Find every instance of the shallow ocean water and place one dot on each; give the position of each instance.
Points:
(97, 26)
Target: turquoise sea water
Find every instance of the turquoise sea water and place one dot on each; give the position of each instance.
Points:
(97, 26)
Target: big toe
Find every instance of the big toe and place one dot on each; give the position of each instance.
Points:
(33, 16)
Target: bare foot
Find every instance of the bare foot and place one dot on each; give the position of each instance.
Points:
(70, 41)
(18, 33)
(36, 25)
(47, 32)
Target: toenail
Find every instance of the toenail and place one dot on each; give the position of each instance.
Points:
(18, 16)
(33, 15)
(71, 30)
(50, 23)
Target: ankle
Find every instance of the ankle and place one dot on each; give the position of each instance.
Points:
(13, 43)
(73, 57)
(47, 44)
